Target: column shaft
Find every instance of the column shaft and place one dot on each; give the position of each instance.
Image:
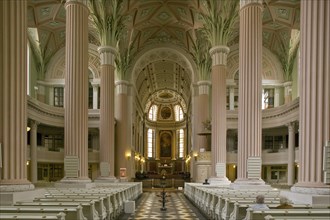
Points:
(291, 153)
(122, 127)
(250, 68)
(107, 119)
(314, 115)
(95, 96)
(13, 101)
(33, 149)
(202, 113)
(76, 85)
(219, 111)
(232, 98)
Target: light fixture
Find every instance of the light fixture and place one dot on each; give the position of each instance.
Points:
(234, 166)
(28, 128)
(27, 163)
(128, 155)
(195, 155)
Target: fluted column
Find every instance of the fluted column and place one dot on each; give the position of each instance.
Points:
(202, 112)
(13, 107)
(123, 134)
(291, 153)
(33, 151)
(250, 69)
(314, 118)
(107, 110)
(76, 86)
(219, 114)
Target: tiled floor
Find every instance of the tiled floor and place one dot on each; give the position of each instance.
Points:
(149, 205)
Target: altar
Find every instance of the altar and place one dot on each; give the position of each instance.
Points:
(165, 168)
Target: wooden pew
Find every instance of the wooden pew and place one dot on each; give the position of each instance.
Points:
(32, 216)
(229, 206)
(269, 217)
(71, 212)
(111, 202)
(88, 209)
(239, 210)
(99, 205)
(260, 215)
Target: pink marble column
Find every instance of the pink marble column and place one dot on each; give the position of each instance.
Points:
(123, 132)
(107, 111)
(76, 86)
(13, 114)
(250, 69)
(314, 118)
(219, 113)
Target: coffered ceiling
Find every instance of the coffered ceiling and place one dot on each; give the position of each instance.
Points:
(155, 22)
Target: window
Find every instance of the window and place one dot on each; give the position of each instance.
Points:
(180, 139)
(54, 142)
(58, 96)
(268, 142)
(151, 142)
(267, 98)
(90, 96)
(153, 113)
(178, 113)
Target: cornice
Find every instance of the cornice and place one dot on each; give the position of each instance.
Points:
(54, 116)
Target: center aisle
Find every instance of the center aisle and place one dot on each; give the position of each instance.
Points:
(178, 207)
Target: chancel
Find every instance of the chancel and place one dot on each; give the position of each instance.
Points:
(107, 104)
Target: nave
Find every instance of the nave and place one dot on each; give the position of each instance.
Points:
(149, 205)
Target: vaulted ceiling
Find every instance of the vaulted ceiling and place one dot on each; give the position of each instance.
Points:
(154, 22)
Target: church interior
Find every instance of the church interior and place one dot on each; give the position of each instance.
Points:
(210, 102)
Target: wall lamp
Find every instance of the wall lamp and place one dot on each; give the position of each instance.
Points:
(195, 156)
(128, 155)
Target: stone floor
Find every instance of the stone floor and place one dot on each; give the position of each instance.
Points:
(149, 205)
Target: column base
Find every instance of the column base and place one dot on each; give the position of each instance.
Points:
(311, 189)
(10, 198)
(16, 187)
(75, 183)
(299, 196)
(250, 184)
(219, 181)
(108, 179)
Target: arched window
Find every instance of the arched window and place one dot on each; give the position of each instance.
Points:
(151, 137)
(180, 139)
(178, 113)
(153, 113)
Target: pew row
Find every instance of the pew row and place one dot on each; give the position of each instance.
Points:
(261, 214)
(70, 212)
(33, 216)
(88, 208)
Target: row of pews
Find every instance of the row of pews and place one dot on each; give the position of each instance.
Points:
(221, 202)
(99, 203)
